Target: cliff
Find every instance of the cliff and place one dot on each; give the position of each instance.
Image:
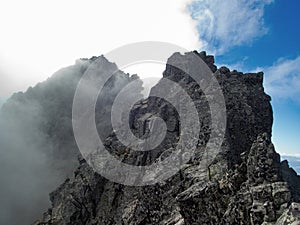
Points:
(244, 184)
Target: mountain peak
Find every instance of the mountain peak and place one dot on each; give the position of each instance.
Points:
(245, 183)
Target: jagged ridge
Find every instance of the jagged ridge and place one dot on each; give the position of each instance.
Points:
(245, 184)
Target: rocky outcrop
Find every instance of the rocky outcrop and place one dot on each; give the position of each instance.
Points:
(245, 184)
(290, 216)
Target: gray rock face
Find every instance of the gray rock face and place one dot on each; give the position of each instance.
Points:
(290, 216)
(245, 184)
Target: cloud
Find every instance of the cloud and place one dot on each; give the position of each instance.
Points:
(225, 24)
(282, 79)
(295, 155)
(2, 101)
(39, 37)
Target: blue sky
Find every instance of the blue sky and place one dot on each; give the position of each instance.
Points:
(281, 40)
(271, 45)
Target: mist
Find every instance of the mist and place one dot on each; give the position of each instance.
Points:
(37, 146)
(30, 164)
(2, 101)
(26, 174)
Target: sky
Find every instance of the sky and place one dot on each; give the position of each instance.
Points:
(39, 37)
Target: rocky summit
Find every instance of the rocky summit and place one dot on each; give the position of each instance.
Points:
(245, 183)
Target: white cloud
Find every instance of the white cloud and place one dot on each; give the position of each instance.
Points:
(39, 37)
(296, 155)
(225, 24)
(282, 79)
